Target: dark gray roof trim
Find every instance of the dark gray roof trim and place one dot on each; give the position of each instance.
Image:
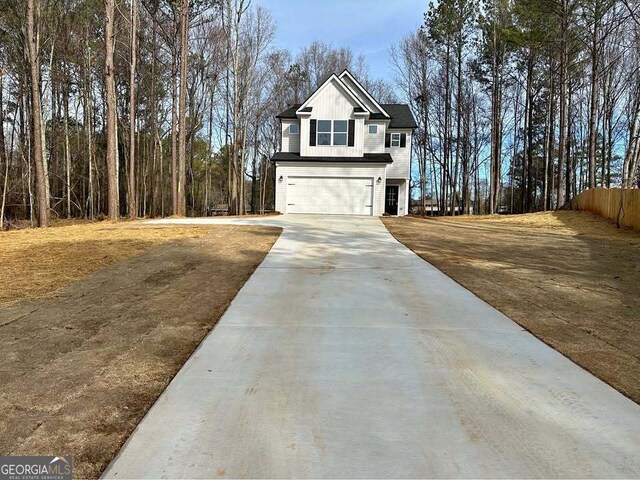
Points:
(367, 158)
(401, 116)
(290, 112)
(306, 109)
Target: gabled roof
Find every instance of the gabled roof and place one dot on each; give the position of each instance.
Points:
(399, 115)
(347, 73)
(329, 80)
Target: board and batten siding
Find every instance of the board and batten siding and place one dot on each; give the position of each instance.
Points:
(401, 166)
(290, 141)
(330, 169)
(332, 103)
(374, 143)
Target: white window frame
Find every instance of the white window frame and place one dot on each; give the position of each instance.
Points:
(345, 133)
(329, 132)
(395, 140)
(375, 129)
(332, 132)
(297, 128)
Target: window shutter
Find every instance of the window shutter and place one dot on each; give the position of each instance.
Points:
(387, 140)
(352, 127)
(312, 133)
(403, 140)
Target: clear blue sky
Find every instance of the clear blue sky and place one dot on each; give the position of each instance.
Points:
(369, 27)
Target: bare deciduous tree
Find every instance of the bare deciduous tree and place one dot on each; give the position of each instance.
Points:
(113, 193)
(33, 40)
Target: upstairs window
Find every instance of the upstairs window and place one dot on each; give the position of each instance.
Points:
(332, 132)
(339, 132)
(324, 132)
(294, 129)
(395, 140)
(373, 129)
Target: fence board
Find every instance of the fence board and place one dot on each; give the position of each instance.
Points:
(606, 202)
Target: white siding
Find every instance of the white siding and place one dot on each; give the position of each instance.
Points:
(322, 169)
(401, 166)
(290, 142)
(374, 143)
(332, 103)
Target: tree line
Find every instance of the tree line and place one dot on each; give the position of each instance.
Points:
(522, 104)
(114, 108)
(147, 107)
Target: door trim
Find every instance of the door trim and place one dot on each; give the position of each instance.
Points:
(391, 201)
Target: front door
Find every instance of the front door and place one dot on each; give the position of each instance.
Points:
(391, 200)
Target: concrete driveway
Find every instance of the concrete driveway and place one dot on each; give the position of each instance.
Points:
(347, 356)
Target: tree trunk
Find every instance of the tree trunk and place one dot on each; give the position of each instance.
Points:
(132, 203)
(54, 159)
(88, 124)
(447, 127)
(113, 200)
(569, 159)
(564, 103)
(174, 133)
(593, 106)
(548, 146)
(156, 183)
(33, 13)
(4, 158)
(528, 132)
(67, 147)
(496, 124)
(234, 170)
(454, 183)
(631, 154)
(603, 149)
(514, 153)
(182, 128)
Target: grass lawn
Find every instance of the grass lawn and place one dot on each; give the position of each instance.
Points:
(37, 262)
(570, 278)
(96, 319)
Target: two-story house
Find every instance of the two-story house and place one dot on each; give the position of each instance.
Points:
(344, 153)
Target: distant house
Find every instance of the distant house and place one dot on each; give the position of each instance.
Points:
(344, 153)
(431, 206)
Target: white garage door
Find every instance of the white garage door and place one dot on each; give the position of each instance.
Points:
(333, 195)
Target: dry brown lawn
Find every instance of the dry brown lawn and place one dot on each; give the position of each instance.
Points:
(82, 364)
(37, 262)
(570, 278)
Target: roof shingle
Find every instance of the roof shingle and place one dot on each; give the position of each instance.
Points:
(401, 116)
(290, 112)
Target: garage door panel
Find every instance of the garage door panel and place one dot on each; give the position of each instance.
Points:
(330, 195)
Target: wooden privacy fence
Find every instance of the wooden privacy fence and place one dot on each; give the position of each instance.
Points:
(606, 202)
